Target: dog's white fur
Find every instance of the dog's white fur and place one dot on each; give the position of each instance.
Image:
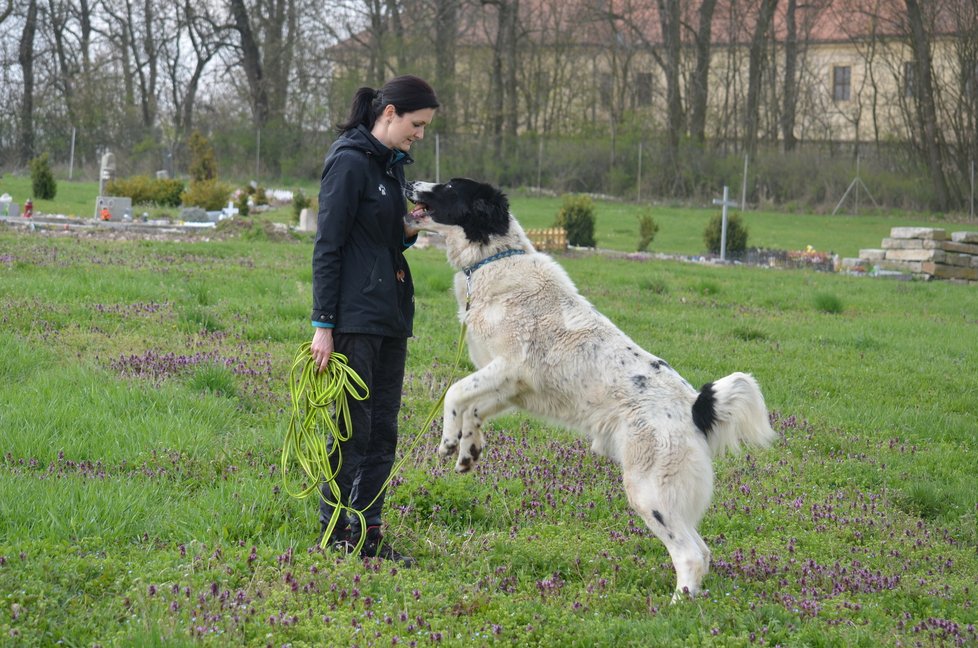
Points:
(541, 347)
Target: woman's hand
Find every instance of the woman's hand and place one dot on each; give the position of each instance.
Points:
(410, 231)
(322, 347)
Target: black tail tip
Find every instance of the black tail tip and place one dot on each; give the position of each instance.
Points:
(704, 409)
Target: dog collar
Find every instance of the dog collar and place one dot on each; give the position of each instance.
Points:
(495, 257)
(475, 266)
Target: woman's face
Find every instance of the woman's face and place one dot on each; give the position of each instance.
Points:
(401, 131)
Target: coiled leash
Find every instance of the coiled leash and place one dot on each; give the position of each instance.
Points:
(320, 401)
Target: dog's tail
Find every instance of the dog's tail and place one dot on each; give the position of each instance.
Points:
(730, 412)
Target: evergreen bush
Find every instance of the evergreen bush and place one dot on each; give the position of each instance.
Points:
(577, 217)
(206, 194)
(144, 190)
(736, 234)
(647, 229)
(203, 161)
(42, 180)
(300, 201)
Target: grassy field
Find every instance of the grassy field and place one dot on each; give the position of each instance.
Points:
(144, 405)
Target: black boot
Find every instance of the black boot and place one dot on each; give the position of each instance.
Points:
(374, 546)
(341, 540)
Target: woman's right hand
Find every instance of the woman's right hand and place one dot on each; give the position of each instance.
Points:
(322, 347)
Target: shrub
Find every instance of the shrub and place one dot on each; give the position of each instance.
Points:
(42, 180)
(647, 229)
(203, 161)
(242, 203)
(207, 194)
(300, 201)
(736, 234)
(576, 216)
(145, 190)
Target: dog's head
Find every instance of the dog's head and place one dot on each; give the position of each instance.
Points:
(478, 208)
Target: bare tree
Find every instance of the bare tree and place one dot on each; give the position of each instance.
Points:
(757, 55)
(699, 81)
(446, 38)
(503, 93)
(138, 27)
(926, 105)
(26, 60)
(185, 69)
(7, 10)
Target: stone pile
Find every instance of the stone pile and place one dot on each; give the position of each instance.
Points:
(926, 253)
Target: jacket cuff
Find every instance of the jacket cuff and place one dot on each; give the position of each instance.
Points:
(323, 318)
(408, 242)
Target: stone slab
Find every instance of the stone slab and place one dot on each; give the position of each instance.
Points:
(960, 260)
(942, 271)
(902, 266)
(960, 248)
(916, 255)
(911, 244)
(964, 237)
(872, 255)
(929, 233)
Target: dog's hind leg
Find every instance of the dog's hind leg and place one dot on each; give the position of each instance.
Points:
(671, 499)
(468, 403)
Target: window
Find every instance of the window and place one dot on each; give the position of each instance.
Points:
(841, 82)
(643, 89)
(908, 79)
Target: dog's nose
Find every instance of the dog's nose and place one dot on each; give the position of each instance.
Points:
(409, 190)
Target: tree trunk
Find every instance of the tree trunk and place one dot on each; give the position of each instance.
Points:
(701, 74)
(669, 20)
(790, 100)
(446, 36)
(252, 63)
(926, 107)
(755, 74)
(26, 60)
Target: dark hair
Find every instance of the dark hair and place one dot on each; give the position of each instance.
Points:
(407, 93)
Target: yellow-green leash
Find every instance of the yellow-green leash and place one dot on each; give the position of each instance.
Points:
(319, 403)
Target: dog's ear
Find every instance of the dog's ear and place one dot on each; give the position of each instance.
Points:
(489, 215)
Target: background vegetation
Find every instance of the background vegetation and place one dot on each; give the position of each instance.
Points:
(144, 407)
(563, 95)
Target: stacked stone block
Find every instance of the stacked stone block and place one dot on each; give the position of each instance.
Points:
(928, 253)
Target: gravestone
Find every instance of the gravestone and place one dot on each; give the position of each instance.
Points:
(307, 221)
(118, 206)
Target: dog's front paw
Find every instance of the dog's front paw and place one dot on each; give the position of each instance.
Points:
(464, 464)
(447, 446)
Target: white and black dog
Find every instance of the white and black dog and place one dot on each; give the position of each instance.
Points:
(541, 347)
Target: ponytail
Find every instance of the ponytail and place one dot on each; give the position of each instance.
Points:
(406, 93)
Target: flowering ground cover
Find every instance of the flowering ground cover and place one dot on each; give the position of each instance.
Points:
(143, 404)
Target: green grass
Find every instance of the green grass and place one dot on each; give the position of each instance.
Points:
(144, 404)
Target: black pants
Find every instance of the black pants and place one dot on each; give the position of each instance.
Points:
(368, 456)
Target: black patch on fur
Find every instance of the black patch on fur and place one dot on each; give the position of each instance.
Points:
(475, 451)
(640, 382)
(704, 409)
(656, 365)
(478, 208)
(658, 518)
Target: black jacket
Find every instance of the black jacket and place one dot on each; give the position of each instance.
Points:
(361, 282)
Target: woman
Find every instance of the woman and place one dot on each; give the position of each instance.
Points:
(363, 297)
